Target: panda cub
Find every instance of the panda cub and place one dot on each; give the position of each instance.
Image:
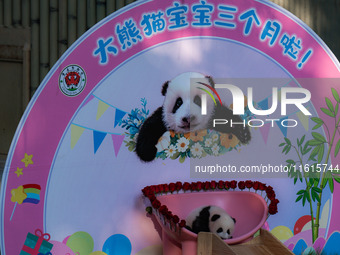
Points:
(211, 219)
(181, 113)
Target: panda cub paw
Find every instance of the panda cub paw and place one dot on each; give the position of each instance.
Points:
(211, 219)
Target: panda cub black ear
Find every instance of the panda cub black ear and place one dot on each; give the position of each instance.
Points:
(165, 88)
(215, 217)
(234, 219)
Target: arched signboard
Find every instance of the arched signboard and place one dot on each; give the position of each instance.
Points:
(72, 171)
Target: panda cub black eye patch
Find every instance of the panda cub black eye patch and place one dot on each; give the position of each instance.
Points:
(177, 105)
(197, 101)
(215, 217)
(219, 230)
(228, 231)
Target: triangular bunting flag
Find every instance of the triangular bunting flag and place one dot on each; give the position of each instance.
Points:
(119, 116)
(102, 107)
(76, 133)
(89, 99)
(304, 119)
(98, 138)
(282, 128)
(265, 131)
(263, 104)
(117, 142)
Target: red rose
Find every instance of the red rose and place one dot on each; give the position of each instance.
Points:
(161, 188)
(193, 186)
(186, 186)
(275, 201)
(178, 186)
(233, 184)
(241, 185)
(165, 188)
(221, 184)
(213, 185)
(262, 186)
(249, 184)
(206, 185)
(272, 209)
(199, 186)
(168, 215)
(156, 189)
(156, 204)
(270, 194)
(256, 185)
(163, 210)
(172, 187)
(175, 219)
(227, 185)
(152, 197)
(182, 224)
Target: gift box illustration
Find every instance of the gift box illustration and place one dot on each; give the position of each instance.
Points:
(37, 244)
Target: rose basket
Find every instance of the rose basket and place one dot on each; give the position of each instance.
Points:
(249, 202)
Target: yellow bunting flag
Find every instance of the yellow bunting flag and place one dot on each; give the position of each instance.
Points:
(304, 119)
(102, 107)
(76, 133)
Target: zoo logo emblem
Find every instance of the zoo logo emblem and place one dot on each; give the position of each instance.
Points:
(72, 80)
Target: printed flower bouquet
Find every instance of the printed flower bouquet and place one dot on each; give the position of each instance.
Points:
(249, 202)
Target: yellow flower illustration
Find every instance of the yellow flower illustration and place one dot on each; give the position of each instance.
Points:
(198, 135)
(229, 140)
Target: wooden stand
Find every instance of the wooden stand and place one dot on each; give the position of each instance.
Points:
(263, 244)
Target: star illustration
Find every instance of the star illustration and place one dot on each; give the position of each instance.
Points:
(27, 160)
(18, 171)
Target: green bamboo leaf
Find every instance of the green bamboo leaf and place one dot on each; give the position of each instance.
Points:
(335, 95)
(298, 142)
(301, 192)
(336, 108)
(336, 178)
(303, 139)
(314, 195)
(318, 198)
(306, 151)
(317, 120)
(327, 112)
(331, 184)
(329, 104)
(290, 161)
(321, 152)
(314, 142)
(317, 126)
(314, 152)
(289, 147)
(318, 137)
(298, 198)
(281, 144)
(288, 141)
(337, 147)
(304, 200)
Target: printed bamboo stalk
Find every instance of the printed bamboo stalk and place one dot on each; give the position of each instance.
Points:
(1, 13)
(110, 7)
(91, 13)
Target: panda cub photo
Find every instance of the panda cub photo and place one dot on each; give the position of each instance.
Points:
(181, 113)
(211, 219)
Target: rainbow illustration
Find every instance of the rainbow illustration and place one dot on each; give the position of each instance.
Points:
(33, 193)
(28, 193)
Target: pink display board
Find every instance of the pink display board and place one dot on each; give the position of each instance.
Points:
(71, 171)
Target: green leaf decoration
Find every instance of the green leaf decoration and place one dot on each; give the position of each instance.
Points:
(336, 178)
(337, 147)
(302, 139)
(329, 104)
(331, 184)
(335, 95)
(298, 198)
(318, 137)
(314, 153)
(321, 152)
(281, 144)
(317, 126)
(314, 142)
(288, 141)
(317, 120)
(327, 112)
(301, 192)
(336, 108)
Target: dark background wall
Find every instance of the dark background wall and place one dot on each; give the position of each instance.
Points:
(35, 33)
